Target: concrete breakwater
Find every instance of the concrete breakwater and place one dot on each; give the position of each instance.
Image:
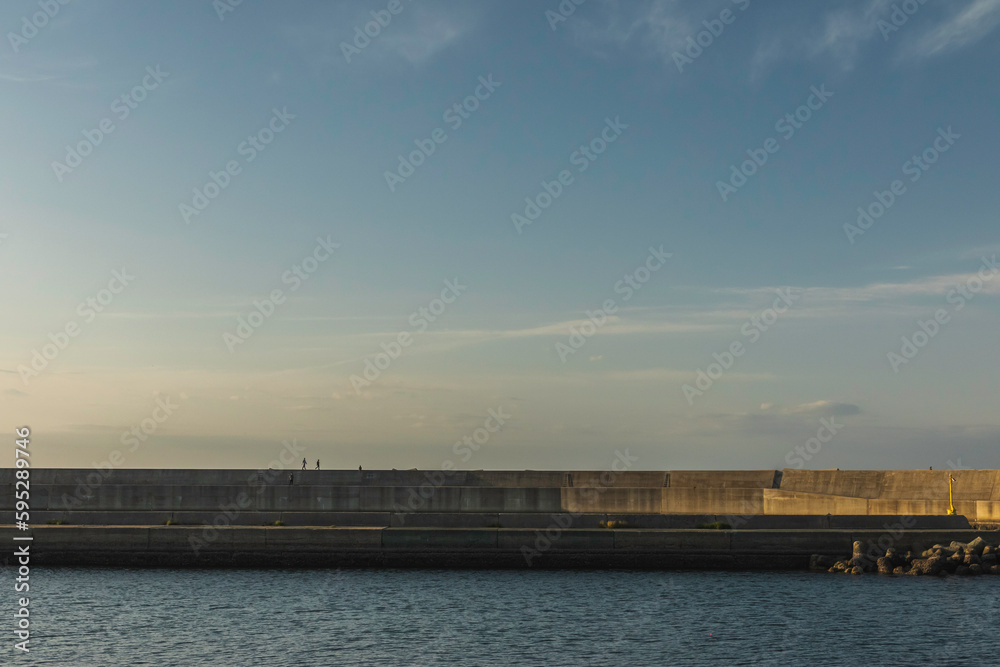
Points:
(663, 519)
(68, 494)
(553, 547)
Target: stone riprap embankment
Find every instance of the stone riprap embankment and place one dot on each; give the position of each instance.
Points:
(967, 559)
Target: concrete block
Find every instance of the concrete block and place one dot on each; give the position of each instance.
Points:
(322, 539)
(90, 538)
(439, 538)
(848, 483)
(723, 479)
(444, 520)
(780, 501)
(730, 501)
(612, 499)
(792, 542)
(702, 541)
(554, 538)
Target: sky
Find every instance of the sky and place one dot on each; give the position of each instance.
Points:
(501, 235)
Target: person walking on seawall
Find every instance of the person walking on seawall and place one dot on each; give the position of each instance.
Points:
(317, 464)
(303, 464)
(290, 478)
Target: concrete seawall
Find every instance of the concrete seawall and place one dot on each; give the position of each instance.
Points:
(78, 493)
(775, 519)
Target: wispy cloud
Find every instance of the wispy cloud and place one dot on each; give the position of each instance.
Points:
(964, 27)
(430, 32)
(831, 408)
(653, 28)
(845, 31)
(27, 78)
(415, 35)
(658, 28)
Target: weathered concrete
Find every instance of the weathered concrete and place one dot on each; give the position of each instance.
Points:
(454, 547)
(531, 520)
(779, 501)
(492, 518)
(724, 500)
(155, 496)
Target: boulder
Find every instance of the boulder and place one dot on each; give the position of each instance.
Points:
(898, 570)
(934, 565)
(975, 568)
(820, 562)
(857, 570)
(963, 571)
(884, 565)
(976, 546)
(862, 561)
(930, 566)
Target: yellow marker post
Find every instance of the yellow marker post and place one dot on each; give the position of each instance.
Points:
(951, 496)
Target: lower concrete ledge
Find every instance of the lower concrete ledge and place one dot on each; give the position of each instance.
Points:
(552, 547)
(529, 520)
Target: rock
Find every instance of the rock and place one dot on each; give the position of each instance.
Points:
(976, 569)
(963, 571)
(898, 570)
(976, 546)
(971, 559)
(860, 561)
(988, 559)
(934, 565)
(857, 549)
(857, 570)
(884, 565)
(820, 562)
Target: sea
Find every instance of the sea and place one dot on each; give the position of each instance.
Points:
(165, 617)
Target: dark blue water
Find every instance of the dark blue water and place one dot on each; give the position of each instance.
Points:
(426, 617)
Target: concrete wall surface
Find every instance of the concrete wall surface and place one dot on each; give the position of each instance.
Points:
(454, 547)
(132, 495)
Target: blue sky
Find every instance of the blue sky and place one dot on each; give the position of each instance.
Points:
(201, 85)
